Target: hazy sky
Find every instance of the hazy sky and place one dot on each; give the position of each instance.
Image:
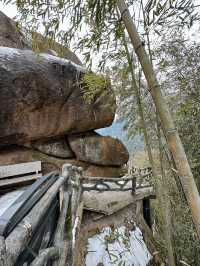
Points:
(193, 34)
(9, 10)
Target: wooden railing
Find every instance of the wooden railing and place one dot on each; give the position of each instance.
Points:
(70, 185)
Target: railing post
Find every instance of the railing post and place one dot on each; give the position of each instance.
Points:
(74, 185)
(63, 237)
(77, 210)
(133, 185)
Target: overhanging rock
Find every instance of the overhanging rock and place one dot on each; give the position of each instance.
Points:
(41, 96)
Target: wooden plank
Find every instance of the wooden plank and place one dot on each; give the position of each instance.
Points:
(145, 192)
(109, 202)
(76, 232)
(20, 169)
(18, 180)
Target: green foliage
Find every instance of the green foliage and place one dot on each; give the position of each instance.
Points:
(178, 63)
(185, 241)
(182, 85)
(93, 85)
(165, 14)
(95, 24)
(63, 20)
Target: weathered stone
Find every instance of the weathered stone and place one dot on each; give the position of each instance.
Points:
(96, 149)
(40, 97)
(53, 147)
(40, 94)
(11, 36)
(16, 154)
(44, 45)
(104, 171)
(52, 164)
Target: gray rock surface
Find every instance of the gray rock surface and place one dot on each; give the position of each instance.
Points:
(12, 36)
(104, 171)
(41, 97)
(96, 149)
(55, 147)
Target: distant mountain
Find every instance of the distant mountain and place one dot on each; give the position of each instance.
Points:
(116, 130)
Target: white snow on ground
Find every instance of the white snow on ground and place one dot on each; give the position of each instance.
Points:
(120, 250)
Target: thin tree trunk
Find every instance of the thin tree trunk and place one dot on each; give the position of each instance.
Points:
(173, 139)
(140, 106)
(163, 186)
(165, 205)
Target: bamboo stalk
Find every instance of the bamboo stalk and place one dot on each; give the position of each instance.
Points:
(173, 139)
(140, 107)
(165, 205)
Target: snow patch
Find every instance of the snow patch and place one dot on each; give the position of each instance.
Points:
(116, 247)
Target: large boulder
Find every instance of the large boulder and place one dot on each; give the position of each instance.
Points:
(16, 154)
(96, 149)
(12, 36)
(41, 96)
(44, 45)
(104, 171)
(54, 147)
